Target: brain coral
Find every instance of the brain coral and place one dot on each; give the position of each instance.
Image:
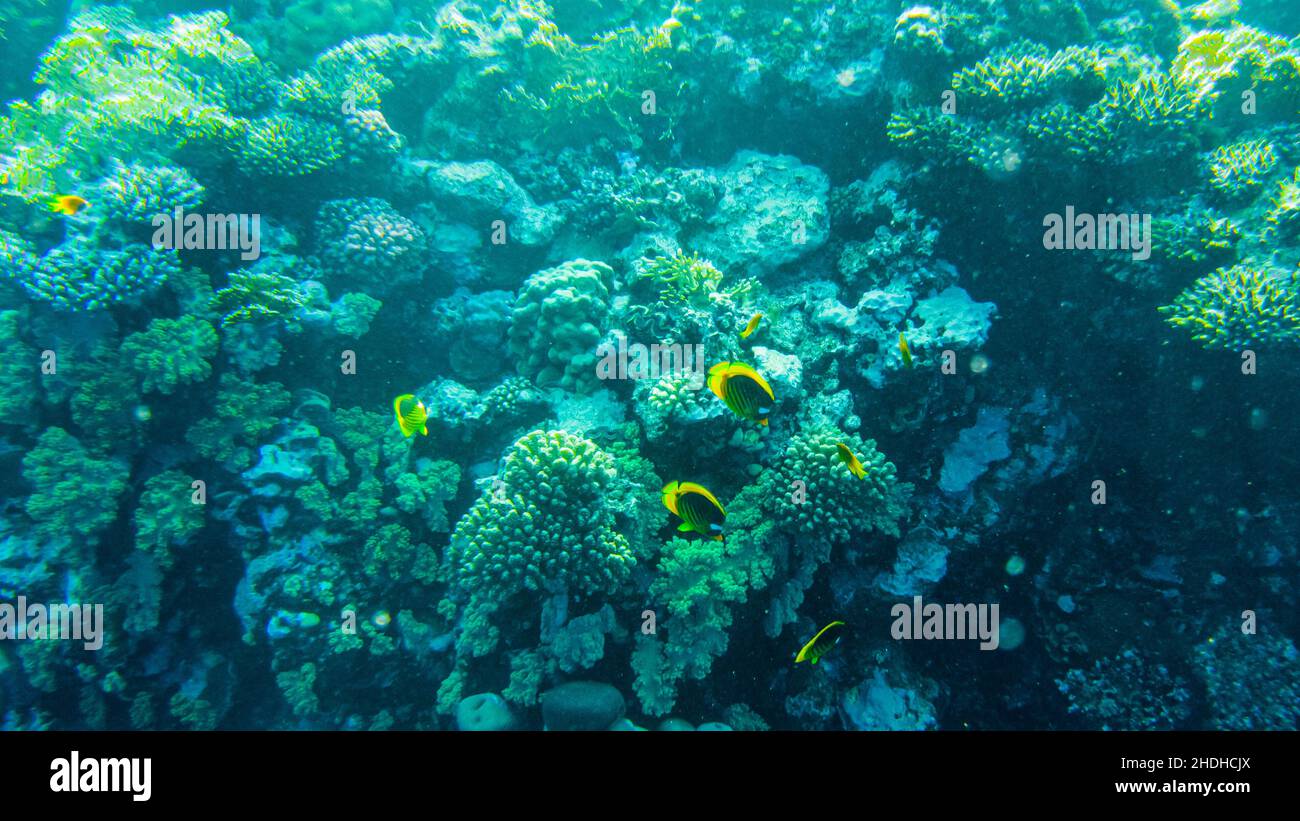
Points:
(558, 321)
(547, 525)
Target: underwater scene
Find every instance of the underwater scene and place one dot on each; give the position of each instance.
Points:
(630, 364)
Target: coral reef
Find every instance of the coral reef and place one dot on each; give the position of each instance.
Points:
(547, 222)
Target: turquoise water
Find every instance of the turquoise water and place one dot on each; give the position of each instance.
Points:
(619, 364)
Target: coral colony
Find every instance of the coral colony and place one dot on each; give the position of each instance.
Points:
(503, 364)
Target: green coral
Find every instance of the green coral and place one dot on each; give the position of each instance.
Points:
(1239, 307)
(244, 412)
(559, 318)
(257, 295)
(111, 81)
(1284, 215)
(547, 525)
(74, 494)
(1240, 167)
(19, 366)
(837, 505)
(1029, 74)
(171, 353)
(527, 672)
(681, 278)
(191, 713)
(426, 490)
(297, 686)
(166, 516)
(354, 313)
(698, 583)
(392, 555)
(289, 145)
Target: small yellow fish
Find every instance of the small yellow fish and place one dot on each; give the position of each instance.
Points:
(753, 324)
(411, 414)
(68, 204)
(743, 390)
(849, 458)
(699, 510)
(821, 644)
(905, 351)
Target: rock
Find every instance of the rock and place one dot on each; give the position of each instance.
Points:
(478, 192)
(484, 712)
(675, 725)
(714, 727)
(783, 371)
(582, 705)
(624, 725)
(977, 447)
(773, 211)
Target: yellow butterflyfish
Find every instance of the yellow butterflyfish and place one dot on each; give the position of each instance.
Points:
(821, 644)
(411, 414)
(743, 390)
(699, 509)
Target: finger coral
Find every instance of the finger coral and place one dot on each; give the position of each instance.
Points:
(546, 527)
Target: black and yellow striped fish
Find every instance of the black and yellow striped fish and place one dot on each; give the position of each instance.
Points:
(821, 644)
(411, 415)
(743, 390)
(699, 510)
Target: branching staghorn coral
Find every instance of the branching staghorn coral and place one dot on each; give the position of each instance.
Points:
(289, 145)
(596, 87)
(1239, 168)
(115, 86)
(257, 295)
(1240, 57)
(1095, 104)
(1239, 307)
(81, 276)
(1284, 215)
